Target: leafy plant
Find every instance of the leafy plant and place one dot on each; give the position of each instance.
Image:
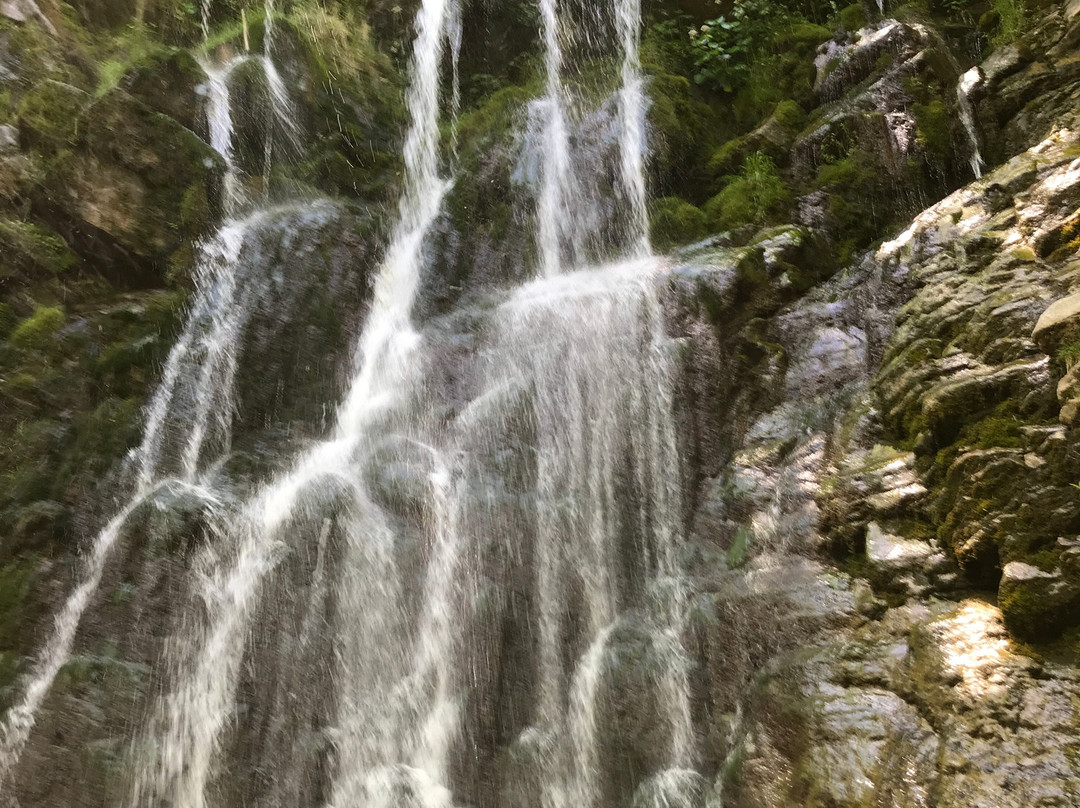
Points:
(1012, 20)
(725, 47)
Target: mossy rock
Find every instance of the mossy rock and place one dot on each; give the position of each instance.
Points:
(29, 251)
(853, 17)
(168, 82)
(140, 188)
(682, 131)
(774, 137)
(1037, 604)
(675, 222)
(127, 132)
(37, 330)
(758, 195)
(49, 114)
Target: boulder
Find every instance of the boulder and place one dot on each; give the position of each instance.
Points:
(1059, 324)
(138, 187)
(48, 115)
(1033, 600)
(169, 83)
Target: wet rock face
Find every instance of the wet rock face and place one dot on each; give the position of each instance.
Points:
(911, 419)
(928, 706)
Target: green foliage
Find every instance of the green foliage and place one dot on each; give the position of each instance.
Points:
(725, 48)
(1012, 16)
(35, 332)
(675, 221)
(665, 46)
(755, 196)
(760, 51)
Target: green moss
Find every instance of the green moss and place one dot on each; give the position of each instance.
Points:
(934, 133)
(740, 546)
(685, 130)
(757, 195)
(853, 17)
(16, 579)
(495, 118)
(790, 114)
(802, 35)
(1069, 354)
(37, 330)
(675, 221)
(195, 208)
(28, 250)
(49, 114)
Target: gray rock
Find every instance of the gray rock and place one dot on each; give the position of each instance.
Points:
(9, 139)
(1058, 324)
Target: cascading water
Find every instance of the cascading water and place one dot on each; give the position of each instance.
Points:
(280, 117)
(968, 82)
(518, 542)
(192, 721)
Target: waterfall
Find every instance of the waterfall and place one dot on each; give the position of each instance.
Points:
(190, 412)
(543, 502)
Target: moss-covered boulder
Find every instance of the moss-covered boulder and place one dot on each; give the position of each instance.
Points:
(49, 115)
(139, 187)
(169, 81)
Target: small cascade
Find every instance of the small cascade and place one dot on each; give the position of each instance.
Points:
(280, 118)
(268, 28)
(567, 161)
(220, 124)
(968, 82)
